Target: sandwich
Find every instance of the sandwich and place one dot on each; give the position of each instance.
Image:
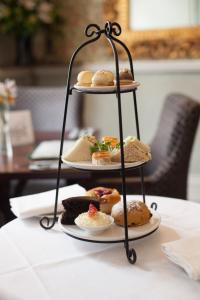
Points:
(134, 150)
(81, 149)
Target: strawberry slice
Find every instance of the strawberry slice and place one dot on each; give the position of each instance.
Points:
(92, 210)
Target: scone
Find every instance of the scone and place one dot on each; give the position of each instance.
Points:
(137, 213)
(103, 78)
(107, 197)
(84, 78)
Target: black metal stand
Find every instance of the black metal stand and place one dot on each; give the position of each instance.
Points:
(110, 31)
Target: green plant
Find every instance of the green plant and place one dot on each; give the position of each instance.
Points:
(26, 17)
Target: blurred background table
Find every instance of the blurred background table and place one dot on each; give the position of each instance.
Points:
(18, 170)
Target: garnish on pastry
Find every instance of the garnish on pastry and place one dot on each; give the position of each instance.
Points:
(137, 213)
(84, 78)
(81, 149)
(107, 197)
(108, 143)
(103, 78)
(134, 150)
(111, 140)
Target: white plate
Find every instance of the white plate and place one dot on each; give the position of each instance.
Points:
(128, 87)
(87, 165)
(115, 233)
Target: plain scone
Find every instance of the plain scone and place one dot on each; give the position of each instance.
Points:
(137, 213)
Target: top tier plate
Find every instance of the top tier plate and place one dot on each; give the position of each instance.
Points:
(106, 89)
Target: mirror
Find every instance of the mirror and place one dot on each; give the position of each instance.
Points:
(158, 28)
(162, 14)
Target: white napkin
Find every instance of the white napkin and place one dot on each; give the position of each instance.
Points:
(43, 203)
(186, 254)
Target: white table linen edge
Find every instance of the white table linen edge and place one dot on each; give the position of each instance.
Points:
(43, 203)
(185, 253)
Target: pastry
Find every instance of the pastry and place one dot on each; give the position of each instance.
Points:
(76, 205)
(84, 78)
(134, 150)
(125, 77)
(81, 149)
(107, 197)
(103, 78)
(101, 158)
(137, 213)
(92, 218)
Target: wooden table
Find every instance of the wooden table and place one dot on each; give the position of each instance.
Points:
(18, 168)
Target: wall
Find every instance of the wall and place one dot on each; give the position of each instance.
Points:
(77, 15)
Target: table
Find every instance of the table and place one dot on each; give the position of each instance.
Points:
(39, 264)
(18, 168)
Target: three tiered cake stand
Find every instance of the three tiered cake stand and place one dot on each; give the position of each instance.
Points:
(110, 32)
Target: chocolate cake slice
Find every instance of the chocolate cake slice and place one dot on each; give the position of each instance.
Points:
(74, 206)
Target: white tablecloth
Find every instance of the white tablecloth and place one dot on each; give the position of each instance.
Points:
(39, 264)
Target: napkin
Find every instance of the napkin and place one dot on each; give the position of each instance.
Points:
(43, 203)
(186, 254)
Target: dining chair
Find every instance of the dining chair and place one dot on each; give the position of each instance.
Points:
(2, 219)
(47, 107)
(167, 173)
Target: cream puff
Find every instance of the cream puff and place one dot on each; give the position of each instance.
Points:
(103, 78)
(84, 78)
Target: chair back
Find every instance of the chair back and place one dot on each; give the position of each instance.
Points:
(47, 107)
(173, 141)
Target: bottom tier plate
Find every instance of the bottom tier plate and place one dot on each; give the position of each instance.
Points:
(115, 234)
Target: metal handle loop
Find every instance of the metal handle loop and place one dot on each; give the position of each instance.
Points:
(90, 33)
(45, 221)
(132, 256)
(154, 205)
(112, 28)
(116, 29)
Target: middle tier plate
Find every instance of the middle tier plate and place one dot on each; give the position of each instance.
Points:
(87, 165)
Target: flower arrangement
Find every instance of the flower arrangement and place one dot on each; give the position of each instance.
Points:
(26, 17)
(8, 93)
